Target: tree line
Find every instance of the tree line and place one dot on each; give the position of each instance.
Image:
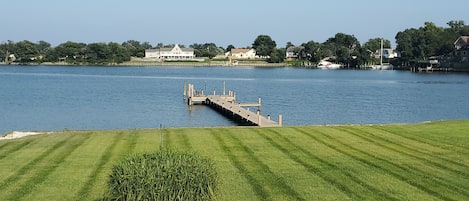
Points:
(414, 45)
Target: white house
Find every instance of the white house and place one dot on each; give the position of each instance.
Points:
(388, 53)
(242, 53)
(174, 53)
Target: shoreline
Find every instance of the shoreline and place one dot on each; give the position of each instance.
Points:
(241, 64)
(159, 64)
(21, 134)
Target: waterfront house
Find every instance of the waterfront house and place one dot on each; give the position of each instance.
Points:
(172, 53)
(388, 53)
(461, 42)
(462, 49)
(242, 53)
(295, 52)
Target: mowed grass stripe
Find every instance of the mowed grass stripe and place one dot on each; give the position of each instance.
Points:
(60, 152)
(122, 149)
(451, 150)
(168, 135)
(65, 182)
(179, 139)
(418, 179)
(449, 180)
(4, 144)
(105, 157)
(132, 140)
(30, 165)
(402, 131)
(185, 140)
(148, 140)
(339, 181)
(258, 189)
(232, 186)
(410, 149)
(6, 150)
(277, 184)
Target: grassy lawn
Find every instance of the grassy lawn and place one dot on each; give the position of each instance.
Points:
(427, 161)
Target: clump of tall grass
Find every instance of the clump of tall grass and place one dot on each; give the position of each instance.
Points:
(165, 175)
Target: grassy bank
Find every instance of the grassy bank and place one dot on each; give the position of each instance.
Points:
(392, 162)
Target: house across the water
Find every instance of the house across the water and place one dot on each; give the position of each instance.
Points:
(173, 53)
(242, 54)
(462, 49)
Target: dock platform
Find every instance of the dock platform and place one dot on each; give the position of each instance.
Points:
(226, 104)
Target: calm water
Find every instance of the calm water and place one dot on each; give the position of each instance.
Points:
(56, 98)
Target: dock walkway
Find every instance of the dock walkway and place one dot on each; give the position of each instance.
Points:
(226, 105)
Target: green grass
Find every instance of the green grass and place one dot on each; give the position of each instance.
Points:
(428, 161)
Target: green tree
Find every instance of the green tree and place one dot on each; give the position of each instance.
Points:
(289, 44)
(374, 44)
(342, 46)
(277, 56)
(70, 52)
(229, 47)
(209, 50)
(312, 49)
(135, 48)
(26, 51)
(371, 47)
(405, 41)
(419, 44)
(6, 49)
(264, 45)
(458, 27)
(98, 53)
(119, 53)
(146, 45)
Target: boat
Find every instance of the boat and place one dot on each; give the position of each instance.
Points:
(382, 66)
(324, 64)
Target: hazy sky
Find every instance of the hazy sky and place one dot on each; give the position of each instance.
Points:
(236, 22)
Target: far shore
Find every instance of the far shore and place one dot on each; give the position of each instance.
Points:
(167, 63)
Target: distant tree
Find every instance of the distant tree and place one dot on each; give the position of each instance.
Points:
(289, 44)
(43, 46)
(135, 48)
(312, 49)
(429, 40)
(159, 45)
(229, 47)
(98, 53)
(26, 51)
(119, 53)
(373, 46)
(209, 50)
(342, 46)
(277, 56)
(6, 49)
(458, 27)
(264, 45)
(146, 45)
(71, 52)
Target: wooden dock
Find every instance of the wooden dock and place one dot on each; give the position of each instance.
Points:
(225, 103)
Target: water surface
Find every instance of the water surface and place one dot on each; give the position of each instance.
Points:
(56, 98)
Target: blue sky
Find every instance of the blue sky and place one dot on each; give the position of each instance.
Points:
(236, 22)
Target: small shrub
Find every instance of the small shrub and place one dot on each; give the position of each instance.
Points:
(166, 175)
